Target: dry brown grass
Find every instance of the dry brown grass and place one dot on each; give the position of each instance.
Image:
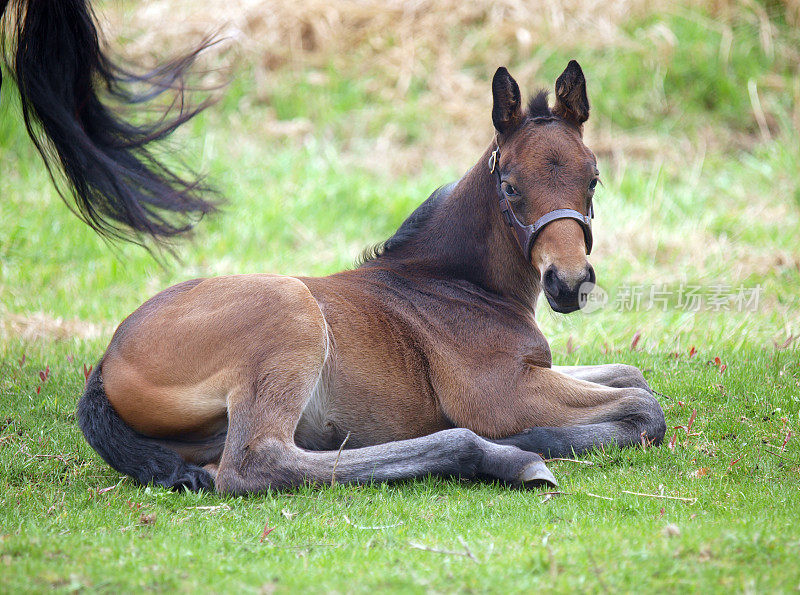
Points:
(451, 45)
(403, 33)
(396, 41)
(39, 326)
(400, 32)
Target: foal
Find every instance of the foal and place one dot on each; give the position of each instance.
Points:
(425, 360)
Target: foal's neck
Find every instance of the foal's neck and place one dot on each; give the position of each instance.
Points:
(465, 239)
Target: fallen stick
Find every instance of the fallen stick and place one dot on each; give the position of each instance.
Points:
(114, 487)
(466, 549)
(425, 548)
(689, 500)
(336, 462)
(774, 454)
(548, 494)
(599, 496)
(210, 508)
(373, 528)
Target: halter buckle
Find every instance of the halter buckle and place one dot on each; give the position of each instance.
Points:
(493, 161)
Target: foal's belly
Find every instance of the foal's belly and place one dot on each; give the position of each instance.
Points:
(366, 409)
(315, 429)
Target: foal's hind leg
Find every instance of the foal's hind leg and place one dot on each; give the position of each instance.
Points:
(585, 415)
(260, 452)
(458, 452)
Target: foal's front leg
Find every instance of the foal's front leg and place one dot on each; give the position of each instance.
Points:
(567, 414)
(614, 375)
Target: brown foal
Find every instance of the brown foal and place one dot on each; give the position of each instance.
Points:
(424, 360)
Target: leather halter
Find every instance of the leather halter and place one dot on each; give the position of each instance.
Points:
(526, 234)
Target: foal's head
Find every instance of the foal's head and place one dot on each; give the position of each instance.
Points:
(543, 166)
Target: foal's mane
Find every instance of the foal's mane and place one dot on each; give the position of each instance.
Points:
(538, 111)
(410, 227)
(538, 108)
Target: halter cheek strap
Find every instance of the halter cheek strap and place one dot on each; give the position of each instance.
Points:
(526, 234)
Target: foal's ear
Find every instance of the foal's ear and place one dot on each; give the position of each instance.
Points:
(507, 108)
(572, 104)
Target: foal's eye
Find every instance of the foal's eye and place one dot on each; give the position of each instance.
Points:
(509, 189)
(592, 184)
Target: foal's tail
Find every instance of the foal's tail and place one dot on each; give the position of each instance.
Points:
(129, 452)
(119, 187)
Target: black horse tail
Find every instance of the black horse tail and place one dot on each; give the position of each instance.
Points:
(118, 185)
(127, 451)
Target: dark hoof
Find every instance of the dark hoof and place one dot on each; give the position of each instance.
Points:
(537, 475)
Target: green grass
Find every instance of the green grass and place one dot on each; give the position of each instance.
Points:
(59, 530)
(710, 203)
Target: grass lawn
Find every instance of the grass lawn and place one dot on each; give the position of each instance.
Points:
(320, 154)
(734, 526)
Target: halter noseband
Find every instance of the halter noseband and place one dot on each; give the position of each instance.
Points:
(526, 234)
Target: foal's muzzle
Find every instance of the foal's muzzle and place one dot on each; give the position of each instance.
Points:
(563, 291)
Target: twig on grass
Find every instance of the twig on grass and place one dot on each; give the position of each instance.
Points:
(597, 496)
(336, 462)
(548, 495)
(789, 340)
(774, 454)
(673, 440)
(785, 440)
(689, 500)
(688, 427)
(210, 508)
(466, 549)
(114, 487)
(373, 528)
(425, 548)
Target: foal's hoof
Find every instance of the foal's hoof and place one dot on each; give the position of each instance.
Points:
(537, 475)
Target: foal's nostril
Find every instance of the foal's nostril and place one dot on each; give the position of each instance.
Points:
(590, 278)
(550, 282)
(564, 290)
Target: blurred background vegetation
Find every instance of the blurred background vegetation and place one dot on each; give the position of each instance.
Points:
(338, 118)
